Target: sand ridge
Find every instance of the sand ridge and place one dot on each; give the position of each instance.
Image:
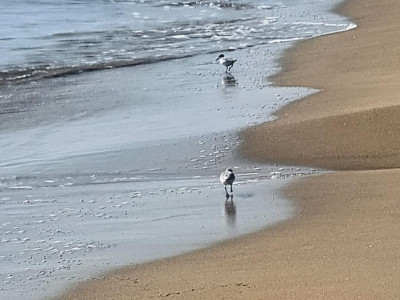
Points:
(343, 244)
(353, 122)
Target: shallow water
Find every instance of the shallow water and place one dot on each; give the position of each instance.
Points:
(144, 107)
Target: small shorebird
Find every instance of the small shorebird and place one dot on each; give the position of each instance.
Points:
(227, 178)
(227, 62)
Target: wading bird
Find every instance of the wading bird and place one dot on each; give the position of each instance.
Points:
(227, 178)
(227, 62)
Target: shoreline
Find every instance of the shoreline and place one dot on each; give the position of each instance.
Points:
(343, 243)
(105, 187)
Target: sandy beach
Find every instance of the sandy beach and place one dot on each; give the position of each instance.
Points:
(343, 243)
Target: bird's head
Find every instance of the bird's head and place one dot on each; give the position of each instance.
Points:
(230, 170)
(220, 56)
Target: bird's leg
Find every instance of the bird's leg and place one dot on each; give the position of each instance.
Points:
(231, 189)
(226, 192)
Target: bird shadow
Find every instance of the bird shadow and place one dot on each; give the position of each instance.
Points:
(230, 211)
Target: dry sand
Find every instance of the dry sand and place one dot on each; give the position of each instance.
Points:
(344, 242)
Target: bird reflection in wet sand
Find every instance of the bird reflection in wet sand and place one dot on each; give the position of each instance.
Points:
(230, 212)
(229, 80)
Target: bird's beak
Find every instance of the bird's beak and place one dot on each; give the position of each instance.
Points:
(217, 58)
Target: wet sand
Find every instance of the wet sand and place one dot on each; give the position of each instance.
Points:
(343, 244)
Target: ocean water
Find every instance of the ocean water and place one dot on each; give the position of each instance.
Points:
(116, 120)
(48, 38)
